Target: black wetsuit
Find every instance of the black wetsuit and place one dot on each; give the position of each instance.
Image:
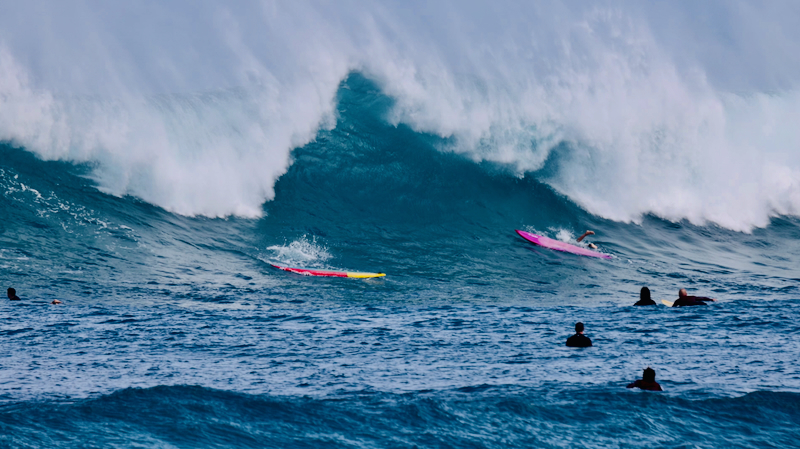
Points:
(690, 301)
(15, 298)
(579, 341)
(645, 385)
(645, 302)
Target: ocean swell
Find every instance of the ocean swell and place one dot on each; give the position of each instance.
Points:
(184, 416)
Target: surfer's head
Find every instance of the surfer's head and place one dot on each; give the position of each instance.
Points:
(11, 292)
(578, 327)
(649, 375)
(644, 294)
(682, 293)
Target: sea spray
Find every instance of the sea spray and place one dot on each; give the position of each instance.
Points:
(599, 98)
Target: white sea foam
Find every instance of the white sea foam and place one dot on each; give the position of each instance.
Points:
(564, 235)
(685, 111)
(303, 252)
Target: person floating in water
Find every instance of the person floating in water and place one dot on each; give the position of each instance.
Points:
(591, 245)
(579, 340)
(647, 382)
(55, 301)
(644, 298)
(685, 300)
(12, 295)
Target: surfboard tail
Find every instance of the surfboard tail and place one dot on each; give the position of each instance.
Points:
(365, 275)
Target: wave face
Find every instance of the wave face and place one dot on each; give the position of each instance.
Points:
(643, 106)
(155, 159)
(368, 195)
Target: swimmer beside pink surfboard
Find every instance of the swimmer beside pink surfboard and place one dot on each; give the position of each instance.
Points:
(559, 245)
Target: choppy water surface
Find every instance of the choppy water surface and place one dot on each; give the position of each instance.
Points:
(443, 376)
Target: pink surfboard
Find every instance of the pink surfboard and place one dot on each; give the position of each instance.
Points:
(559, 245)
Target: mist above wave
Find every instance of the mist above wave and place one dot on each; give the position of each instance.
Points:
(196, 108)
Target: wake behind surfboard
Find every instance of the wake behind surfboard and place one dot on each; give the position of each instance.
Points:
(559, 245)
(329, 273)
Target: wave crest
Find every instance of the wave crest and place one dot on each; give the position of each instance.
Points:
(616, 106)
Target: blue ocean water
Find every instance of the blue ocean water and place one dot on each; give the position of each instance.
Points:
(154, 209)
(176, 331)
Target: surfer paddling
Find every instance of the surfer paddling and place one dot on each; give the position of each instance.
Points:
(684, 300)
(12, 296)
(591, 245)
(647, 382)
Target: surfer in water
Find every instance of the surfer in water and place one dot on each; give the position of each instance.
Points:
(647, 382)
(12, 294)
(684, 300)
(591, 245)
(579, 340)
(644, 298)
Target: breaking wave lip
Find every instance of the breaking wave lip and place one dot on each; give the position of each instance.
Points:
(214, 154)
(594, 100)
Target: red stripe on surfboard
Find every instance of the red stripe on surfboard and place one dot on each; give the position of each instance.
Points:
(307, 272)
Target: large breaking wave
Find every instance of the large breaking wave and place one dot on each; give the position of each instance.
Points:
(625, 108)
